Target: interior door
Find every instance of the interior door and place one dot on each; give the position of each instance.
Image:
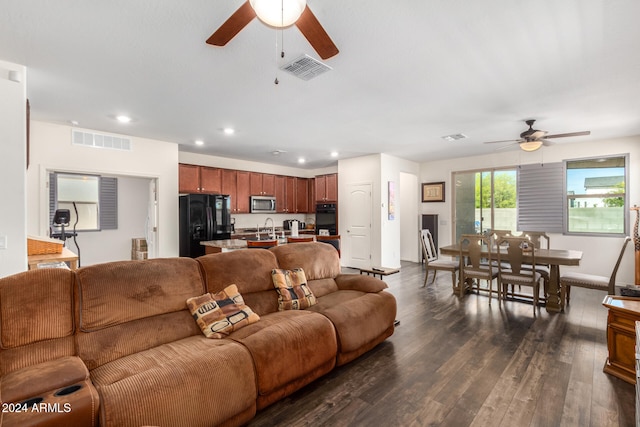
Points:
(359, 214)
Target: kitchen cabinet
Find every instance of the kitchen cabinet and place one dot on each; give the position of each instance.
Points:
(312, 195)
(262, 184)
(280, 193)
(199, 179)
(188, 178)
(326, 187)
(302, 195)
(237, 184)
(290, 194)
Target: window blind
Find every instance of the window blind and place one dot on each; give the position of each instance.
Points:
(108, 203)
(541, 197)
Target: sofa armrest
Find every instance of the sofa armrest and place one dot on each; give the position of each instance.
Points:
(35, 380)
(359, 282)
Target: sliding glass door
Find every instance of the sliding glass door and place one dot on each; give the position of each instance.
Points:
(484, 200)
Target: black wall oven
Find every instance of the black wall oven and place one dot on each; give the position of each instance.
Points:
(326, 218)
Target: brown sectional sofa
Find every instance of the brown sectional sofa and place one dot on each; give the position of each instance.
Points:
(121, 331)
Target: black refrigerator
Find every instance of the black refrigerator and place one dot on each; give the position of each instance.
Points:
(203, 217)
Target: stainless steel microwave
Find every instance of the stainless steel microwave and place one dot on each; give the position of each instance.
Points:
(263, 204)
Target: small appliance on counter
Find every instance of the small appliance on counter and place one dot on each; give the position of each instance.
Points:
(287, 224)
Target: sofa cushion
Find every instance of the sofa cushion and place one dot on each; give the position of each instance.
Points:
(35, 306)
(289, 349)
(221, 313)
(293, 291)
(194, 381)
(318, 260)
(118, 292)
(250, 271)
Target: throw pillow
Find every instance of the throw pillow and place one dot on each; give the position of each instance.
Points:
(293, 291)
(220, 314)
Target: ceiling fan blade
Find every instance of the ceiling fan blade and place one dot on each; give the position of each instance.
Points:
(563, 135)
(506, 140)
(233, 25)
(504, 147)
(310, 27)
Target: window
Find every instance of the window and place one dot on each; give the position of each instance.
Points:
(596, 196)
(91, 200)
(485, 200)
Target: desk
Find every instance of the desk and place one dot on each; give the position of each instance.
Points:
(554, 257)
(66, 256)
(379, 271)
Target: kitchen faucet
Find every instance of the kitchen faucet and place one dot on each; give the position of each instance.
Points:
(273, 227)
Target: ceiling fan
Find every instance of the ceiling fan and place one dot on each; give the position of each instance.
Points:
(532, 139)
(276, 14)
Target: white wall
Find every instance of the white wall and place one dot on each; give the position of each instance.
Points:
(378, 170)
(599, 253)
(13, 226)
(409, 221)
(51, 149)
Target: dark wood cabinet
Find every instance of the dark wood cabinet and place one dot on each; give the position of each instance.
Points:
(280, 193)
(210, 180)
(199, 179)
(262, 184)
(237, 185)
(290, 194)
(312, 195)
(302, 195)
(326, 188)
(188, 178)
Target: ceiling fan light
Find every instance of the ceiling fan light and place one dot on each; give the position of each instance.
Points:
(278, 13)
(530, 145)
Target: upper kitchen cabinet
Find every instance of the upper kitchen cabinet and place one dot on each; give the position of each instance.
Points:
(302, 195)
(326, 188)
(262, 184)
(199, 179)
(237, 185)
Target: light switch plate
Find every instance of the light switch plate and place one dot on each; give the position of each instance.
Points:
(3, 242)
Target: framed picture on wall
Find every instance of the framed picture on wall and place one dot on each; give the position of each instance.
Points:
(433, 192)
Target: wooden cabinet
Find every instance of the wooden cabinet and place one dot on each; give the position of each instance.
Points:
(199, 179)
(237, 185)
(262, 184)
(302, 195)
(621, 336)
(280, 193)
(188, 178)
(290, 194)
(312, 195)
(326, 188)
(210, 180)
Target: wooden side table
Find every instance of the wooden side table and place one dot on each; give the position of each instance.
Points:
(66, 256)
(379, 271)
(621, 336)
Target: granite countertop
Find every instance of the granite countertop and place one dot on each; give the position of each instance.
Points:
(226, 244)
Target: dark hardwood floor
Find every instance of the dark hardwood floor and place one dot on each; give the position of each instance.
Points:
(462, 362)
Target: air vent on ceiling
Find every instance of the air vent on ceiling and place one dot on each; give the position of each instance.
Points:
(100, 140)
(454, 137)
(306, 67)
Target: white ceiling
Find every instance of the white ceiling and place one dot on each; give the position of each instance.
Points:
(408, 73)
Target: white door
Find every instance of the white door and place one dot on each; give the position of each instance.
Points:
(359, 225)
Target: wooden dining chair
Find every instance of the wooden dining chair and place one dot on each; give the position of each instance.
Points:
(300, 239)
(476, 265)
(262, 244)
(432, 261)
(590, 281)
(333, 240)
(512, 254)
(539, 240)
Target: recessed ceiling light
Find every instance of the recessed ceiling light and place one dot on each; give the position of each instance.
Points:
(199, 142)
(334, 154)
(301, 160)
(229, 131)
(123, 119)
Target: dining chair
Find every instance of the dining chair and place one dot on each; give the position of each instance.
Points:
(333, 240)
(432, 261)
(539, 240)
(590, 281)
(476, 265)
(262, 244)
(512, 253)
(299, 239)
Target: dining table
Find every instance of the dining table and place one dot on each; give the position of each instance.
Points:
(552, 257)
